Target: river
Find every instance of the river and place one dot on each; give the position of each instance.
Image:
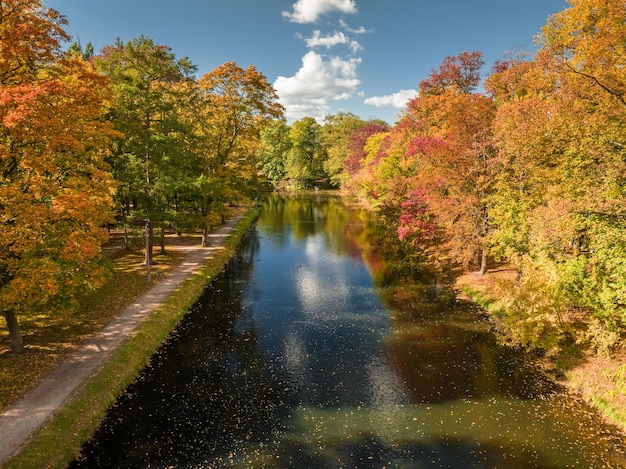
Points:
(325, 344)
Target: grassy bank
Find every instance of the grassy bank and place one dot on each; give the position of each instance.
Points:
(599, 380)
(57, 443)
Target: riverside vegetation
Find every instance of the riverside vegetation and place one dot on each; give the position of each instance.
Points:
(523, 169)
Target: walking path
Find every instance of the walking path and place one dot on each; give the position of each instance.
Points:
(27, 414)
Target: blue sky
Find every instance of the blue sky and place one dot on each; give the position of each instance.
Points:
(322, 56)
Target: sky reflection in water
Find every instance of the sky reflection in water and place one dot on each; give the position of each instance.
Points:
(303, 355)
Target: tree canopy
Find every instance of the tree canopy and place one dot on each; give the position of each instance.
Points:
(55, 187)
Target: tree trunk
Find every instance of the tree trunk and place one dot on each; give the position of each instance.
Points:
(149, 255)
(162, 240)
(205, 234)
(483, 262)
(17, 343)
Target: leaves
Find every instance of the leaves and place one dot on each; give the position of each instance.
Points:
(55, 188)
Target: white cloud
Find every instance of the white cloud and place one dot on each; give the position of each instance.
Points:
(309, 11)
(317, 40)
(398, 100)
(318, 81)
(347, 27)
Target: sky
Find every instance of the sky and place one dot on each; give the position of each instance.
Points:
(323, 57)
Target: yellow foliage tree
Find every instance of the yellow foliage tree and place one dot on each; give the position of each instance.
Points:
(236, 105)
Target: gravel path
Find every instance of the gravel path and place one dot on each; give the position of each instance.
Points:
(27, 414)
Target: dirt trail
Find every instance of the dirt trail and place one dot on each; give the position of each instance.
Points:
(20, 420)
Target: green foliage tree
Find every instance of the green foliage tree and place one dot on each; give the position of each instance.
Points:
(275, 144)
(149, 85)
(305, 161)
(77, 49)
(336, 133)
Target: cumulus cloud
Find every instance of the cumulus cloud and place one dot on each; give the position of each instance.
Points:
(309, 11)
(317, 82)
(398, 100)
(317, 40)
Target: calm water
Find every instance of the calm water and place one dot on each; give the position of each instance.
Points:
(324, 345)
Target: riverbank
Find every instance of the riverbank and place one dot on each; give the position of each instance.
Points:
(61, 424)
(599, 380)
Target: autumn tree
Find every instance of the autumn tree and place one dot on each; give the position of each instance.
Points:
(55, 188)
(460, 73)
(523, 166)
(355, 146)
(452, 146)
(558, 203)
(336, 133)
(149, 86)
(236, 105)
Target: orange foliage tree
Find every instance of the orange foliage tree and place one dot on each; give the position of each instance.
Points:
(55, 189)
(432, 171)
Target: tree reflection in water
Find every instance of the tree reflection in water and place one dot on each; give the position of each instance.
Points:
(325, 343)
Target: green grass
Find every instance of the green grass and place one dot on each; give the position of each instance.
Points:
(614, 415)
(484, 300)
(59, 441)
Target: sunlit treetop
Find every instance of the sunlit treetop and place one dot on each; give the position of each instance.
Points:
(30, 37)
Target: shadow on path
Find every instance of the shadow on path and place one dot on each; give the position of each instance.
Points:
(20, 420)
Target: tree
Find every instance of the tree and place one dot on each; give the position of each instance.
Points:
(305, 163)
(236, 106)
(355, 147)
(453, 147)
(336, 133)
(589, 40)
(275, 144)
(558, 198)
(30, 38)
(583, 49)
(460, 72)
(148, 82)
(76, 48)
(55, 188)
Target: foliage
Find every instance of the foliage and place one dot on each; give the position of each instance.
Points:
(336, 134)
(235, 106)
(355, 148)
(30, 38)
(148, 82)
(431, 172)
(557, 208)
(304, 162)
(274, 145)
(460, 72)
(532, 173)
(55, 188)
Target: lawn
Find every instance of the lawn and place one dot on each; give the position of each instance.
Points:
(51, 335)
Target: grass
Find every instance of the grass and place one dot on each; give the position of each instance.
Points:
(49, 336)
(598, 379)
(59, 441)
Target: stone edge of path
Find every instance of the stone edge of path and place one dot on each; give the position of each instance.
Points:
(29, 412)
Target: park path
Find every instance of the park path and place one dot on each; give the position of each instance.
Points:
(21, 419)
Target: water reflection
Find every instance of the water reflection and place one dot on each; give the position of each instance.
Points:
(324, 345)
